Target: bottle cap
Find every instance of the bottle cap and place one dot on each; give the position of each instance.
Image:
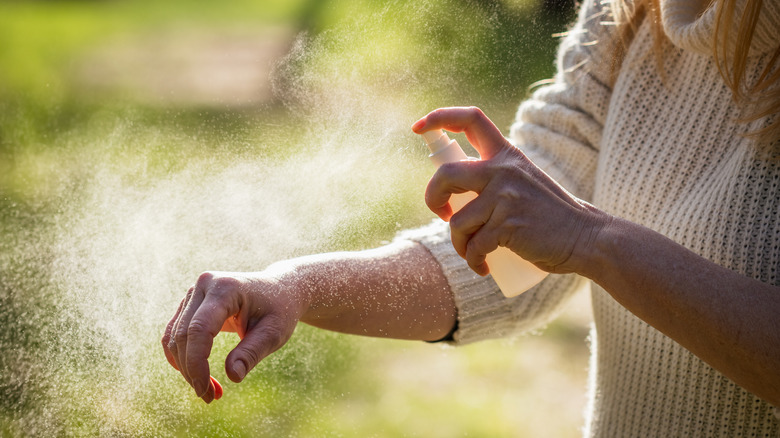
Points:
(436, 140)
(443, 150)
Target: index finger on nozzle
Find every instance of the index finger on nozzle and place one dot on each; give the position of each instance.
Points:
(453, 119)
(479, 129)
(437, 119)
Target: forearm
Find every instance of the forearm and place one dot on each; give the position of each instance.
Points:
(395, 291)
(728, 320)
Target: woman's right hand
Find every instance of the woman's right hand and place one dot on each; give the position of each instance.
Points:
(257, 306)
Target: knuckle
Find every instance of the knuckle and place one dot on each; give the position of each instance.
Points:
(476, 113)
(456, 222)
(473, 246)
(512, 224)
(507, 195)
(511, 234)
(204, 278)
(224, 289)
(219, 292)
(428, 197)
(448, 173)
(226, 284)
(198, 328)
(482, 243)
(180, 336)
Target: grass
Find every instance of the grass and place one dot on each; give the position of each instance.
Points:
(111, 203)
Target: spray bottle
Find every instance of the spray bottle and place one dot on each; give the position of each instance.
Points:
(513, 274)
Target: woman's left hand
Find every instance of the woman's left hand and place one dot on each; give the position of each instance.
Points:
(518, 205)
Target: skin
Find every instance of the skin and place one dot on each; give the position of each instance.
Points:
(395, 291)
(399, 290)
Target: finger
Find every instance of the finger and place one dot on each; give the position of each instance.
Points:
(178, 343)
(168, 337)
(467, 222)
(439, 203)
(214, 391)
(181, 332)
(480, 131)
(450, 179)
(209, 394)
(217, 306)
(267, 336)
(483, 242)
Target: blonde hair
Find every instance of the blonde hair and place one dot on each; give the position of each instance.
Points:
(730, 49)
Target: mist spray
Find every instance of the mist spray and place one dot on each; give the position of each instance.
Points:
(512, 273)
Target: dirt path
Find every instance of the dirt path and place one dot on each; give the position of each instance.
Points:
(188, 67)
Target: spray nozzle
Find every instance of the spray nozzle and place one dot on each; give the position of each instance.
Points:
(443, 150)
(436, 140)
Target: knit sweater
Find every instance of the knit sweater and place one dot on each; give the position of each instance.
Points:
(667, 152)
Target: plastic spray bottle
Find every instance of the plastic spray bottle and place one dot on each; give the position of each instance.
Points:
(512, 273)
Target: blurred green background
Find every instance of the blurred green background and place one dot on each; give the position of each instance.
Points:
(143, 142)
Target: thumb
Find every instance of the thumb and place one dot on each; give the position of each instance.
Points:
(267, 336)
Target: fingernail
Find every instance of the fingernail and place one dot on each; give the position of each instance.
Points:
(217, 389)
(418, 125)
(240, 369)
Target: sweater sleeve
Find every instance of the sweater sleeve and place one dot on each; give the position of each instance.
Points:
(559, 128)
(483, 311)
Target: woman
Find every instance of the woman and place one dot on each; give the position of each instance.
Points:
(664, 116)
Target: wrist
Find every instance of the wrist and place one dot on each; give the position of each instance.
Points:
(596, 245)
(291, 279)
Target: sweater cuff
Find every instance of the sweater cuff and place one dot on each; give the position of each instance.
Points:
(483, 311)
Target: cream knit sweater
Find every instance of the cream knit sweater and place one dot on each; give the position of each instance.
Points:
(668, 154)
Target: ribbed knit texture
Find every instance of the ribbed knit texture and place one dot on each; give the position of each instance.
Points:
(665, 153)
(483, 311)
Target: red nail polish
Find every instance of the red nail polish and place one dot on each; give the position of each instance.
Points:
(217, 389)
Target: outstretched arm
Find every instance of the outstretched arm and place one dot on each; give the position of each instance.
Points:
(395, 291)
